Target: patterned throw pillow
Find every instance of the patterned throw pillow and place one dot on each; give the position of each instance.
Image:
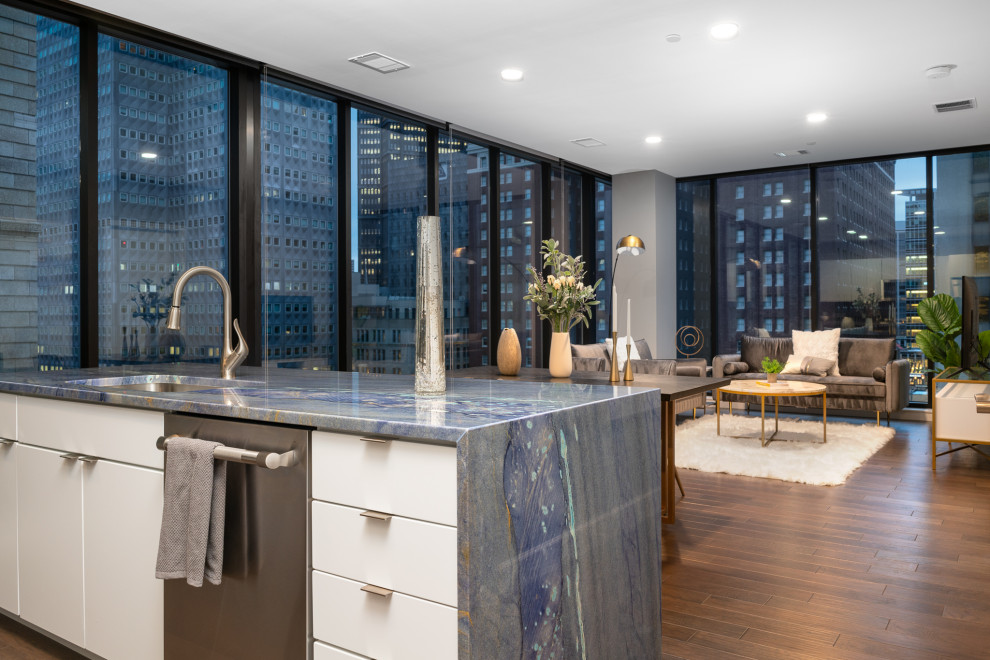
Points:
(810, 366)
(822, 344)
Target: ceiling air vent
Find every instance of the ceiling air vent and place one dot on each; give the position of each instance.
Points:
(950, 106)
(588, 142)
(380, 63)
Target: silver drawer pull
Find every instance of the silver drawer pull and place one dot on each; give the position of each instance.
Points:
(378, 591)
(380, 441)
(377, 515)
(89, 459)
(70, 457)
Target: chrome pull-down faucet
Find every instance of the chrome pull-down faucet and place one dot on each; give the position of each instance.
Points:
(230, 358)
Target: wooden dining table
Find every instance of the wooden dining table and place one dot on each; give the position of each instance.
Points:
(672, 389)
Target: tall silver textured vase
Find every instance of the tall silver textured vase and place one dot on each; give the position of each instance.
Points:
(430, 378)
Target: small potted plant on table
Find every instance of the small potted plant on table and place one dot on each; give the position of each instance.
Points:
(771, 368)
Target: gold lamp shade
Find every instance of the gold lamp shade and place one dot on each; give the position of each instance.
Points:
(631, 244)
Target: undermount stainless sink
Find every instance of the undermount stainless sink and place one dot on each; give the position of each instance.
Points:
(164, 383)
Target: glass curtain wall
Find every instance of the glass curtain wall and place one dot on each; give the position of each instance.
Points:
(389, 170)
(565, 222)
(694, 273)
(872, 252)
(764, 239)
(463, 185)
(519, 214)
(162, 201)
(604, 251)
(962, 225)
(299, 228)
(39, 192)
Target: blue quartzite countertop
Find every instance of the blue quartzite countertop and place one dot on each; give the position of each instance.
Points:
(325, 400)
(558, 489)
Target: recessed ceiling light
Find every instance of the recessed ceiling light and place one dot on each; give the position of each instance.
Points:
(785, 200)
(673, 38)
(850, 231)
(511, 75)
(896, 192)
(654, 139)
(149, 154)
(724, 31)
(816, 117)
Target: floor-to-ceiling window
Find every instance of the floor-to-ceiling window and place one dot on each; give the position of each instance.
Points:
(764, 247)
(39, 193)
(694, 273)
(603, 255)
(464, 209)
(519, 213)
(299, 218)
(388, 192)
(162, 201)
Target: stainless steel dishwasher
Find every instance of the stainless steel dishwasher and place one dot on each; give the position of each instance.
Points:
(259, 609)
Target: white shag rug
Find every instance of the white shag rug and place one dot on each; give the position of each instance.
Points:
(796, 454)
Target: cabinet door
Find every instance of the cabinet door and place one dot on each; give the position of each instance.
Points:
(122, 507)
(8, 526)
(50, 541)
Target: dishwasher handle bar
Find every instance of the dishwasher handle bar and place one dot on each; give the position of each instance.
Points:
(265, 459)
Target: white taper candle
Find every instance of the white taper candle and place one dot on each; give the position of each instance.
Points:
(628, 320)
(615, 310)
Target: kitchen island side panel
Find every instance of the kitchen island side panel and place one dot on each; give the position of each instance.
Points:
(559, 534)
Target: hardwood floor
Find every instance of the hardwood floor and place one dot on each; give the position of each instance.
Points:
(18, 642)
(893, 564)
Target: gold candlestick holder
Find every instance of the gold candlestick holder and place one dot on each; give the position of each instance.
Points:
(627, 375)
(613, 376)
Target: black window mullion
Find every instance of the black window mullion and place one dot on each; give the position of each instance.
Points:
(89, 234)
(344, 205)
(717, 274)
(244, 213)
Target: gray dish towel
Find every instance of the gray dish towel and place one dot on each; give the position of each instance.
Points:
(191, 542)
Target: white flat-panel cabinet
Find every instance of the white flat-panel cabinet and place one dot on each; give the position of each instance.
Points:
(124, 609)
(50, 541)
(8, 525)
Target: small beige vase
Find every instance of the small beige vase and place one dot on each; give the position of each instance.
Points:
(560, 355)
(771, 378)
(509, 357)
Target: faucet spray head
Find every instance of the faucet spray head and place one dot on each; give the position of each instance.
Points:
(174, 318)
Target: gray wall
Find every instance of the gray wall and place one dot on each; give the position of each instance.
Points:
(645, 204)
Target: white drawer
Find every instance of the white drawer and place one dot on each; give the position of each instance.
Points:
(410, 479)
(117, 434)
(396, 626)
(323, 652)
(8, 416)
(414, 557)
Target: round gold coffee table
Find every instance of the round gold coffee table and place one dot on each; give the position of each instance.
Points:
(763, 390)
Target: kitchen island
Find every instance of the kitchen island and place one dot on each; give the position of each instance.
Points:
(557, 491)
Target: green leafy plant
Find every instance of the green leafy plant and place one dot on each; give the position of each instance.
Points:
(937, 341)
(771, 366)
(561, 297)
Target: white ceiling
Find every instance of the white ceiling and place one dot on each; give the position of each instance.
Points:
(604, 70)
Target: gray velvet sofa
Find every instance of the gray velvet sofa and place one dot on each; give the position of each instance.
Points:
(870, 379)
(594, 357)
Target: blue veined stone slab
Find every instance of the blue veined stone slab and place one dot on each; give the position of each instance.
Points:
(559, 534)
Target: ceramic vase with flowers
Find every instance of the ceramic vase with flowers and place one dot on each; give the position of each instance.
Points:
(562, 298)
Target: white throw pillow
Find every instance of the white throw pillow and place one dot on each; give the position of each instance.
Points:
(822, 344)
(807, 365)
(633, 353)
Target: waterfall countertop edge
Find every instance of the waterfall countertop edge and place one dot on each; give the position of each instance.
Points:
(347, 402)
